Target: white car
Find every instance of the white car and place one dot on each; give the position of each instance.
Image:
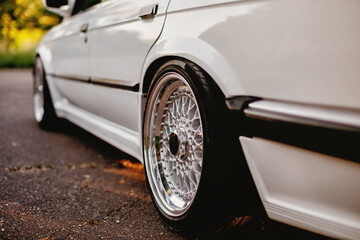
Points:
(232, 106)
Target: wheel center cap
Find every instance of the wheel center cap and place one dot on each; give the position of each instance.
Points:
(179, 144)
(174, 144)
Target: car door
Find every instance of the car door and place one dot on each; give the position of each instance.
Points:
(120, 35)
(70, 51)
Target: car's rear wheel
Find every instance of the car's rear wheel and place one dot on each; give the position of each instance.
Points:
(43, 106)
(186, 130)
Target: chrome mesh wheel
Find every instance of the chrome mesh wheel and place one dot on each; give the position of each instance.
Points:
(173, 144)
(38, 91)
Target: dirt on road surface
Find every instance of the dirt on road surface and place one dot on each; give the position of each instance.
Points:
(68, 184)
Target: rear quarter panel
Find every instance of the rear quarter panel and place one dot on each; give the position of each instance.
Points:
(300, 51)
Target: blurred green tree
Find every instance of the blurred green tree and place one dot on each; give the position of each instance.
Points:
(22, 25)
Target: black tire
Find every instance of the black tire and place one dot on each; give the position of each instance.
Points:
(225, 193)
(43, 106)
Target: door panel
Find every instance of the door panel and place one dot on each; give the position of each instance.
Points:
(71, 59)
(70, 50)
(119, 41)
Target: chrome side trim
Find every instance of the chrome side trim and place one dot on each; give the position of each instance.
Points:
(70, 77)
(114, 82)
(305, 114)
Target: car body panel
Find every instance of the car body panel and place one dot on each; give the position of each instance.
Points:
(301, 52)
(285, 50)
(69, 48)
(89, 54)
(120, 40)
(117, 135)
(297, 187)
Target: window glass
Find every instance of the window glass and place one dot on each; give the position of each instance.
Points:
(82, 5)
(88, 3)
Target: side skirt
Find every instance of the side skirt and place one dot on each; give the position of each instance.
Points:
(118, 136)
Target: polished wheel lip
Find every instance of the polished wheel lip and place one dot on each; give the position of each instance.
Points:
(39, 91)
(162, 185)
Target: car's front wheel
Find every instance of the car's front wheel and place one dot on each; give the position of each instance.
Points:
(43, 106)
(185, 138)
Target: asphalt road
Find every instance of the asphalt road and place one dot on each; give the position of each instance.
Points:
(68, 184)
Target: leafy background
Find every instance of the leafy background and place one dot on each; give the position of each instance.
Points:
(22, 25)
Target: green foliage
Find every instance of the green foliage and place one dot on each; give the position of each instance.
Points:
(22, 25)
(17, 59)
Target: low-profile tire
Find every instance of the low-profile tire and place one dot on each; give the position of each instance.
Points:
(192, 152)
(43, 106)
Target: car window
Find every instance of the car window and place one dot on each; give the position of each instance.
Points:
(88, 3)
(82, 5)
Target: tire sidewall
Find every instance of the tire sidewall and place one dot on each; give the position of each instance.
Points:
(49, 118)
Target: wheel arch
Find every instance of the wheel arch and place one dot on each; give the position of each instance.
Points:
(197, 51)
(45, 54)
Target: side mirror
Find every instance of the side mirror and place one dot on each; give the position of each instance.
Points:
(61, 7)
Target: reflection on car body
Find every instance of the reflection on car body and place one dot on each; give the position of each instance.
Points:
(232, 106)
